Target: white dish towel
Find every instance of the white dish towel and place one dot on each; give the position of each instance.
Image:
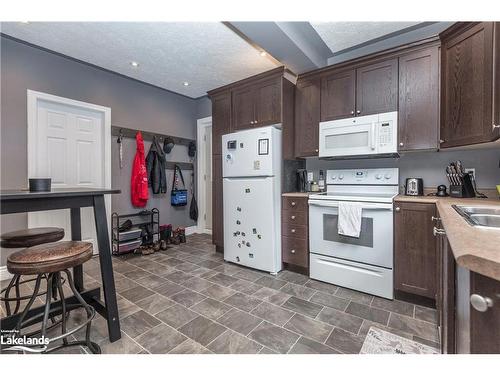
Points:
(349, 223)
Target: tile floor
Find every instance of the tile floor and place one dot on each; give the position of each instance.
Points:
(188, 300)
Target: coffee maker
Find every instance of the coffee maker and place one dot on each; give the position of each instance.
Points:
(302, 185)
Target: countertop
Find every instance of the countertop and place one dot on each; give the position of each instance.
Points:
(299, 195)
(477, 249)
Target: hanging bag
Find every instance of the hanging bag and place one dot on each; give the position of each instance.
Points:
(178, 197)
(193, 209)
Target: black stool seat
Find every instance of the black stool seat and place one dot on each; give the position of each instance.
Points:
(31, 237)
(50, 257)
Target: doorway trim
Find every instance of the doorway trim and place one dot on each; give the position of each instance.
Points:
(33, 97)
(201, 124)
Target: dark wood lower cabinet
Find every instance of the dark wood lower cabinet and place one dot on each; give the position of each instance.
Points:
(295, 234)
(415, 249)
(445, 302)
(217, 206)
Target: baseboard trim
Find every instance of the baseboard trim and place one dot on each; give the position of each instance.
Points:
(4, 274)
(191, 230)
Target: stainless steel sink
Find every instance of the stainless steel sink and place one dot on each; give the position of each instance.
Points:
(486, 217)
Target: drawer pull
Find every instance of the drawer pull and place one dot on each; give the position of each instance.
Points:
(293, 231)
(292, 251)
(293, 204)
(292, 217)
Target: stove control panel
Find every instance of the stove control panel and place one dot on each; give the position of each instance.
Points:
(378, 176)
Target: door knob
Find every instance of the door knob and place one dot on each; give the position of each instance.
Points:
(398, 209)
(358, 111)
(480, 303)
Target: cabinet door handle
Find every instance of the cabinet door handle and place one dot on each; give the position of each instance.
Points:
(352, 112)
(252, 122)
(480, 303)
(496, 127)
(293, 231)
(255, 121)
(358, 111)
(398, 209)
(442, 141)
(316, 151)
(292, 251)
(437, 231)
(401, 144)
(433, 218)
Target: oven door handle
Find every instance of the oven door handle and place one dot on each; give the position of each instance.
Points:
(373, 140)
(365, 206)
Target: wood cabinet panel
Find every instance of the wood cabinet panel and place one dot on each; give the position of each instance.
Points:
(217, 205)
(287, 123)
(415, 249)
(267, 98)
(243, 107)
(467, 87)
(295, 251)
(485, 326)
(446, 295)
(418, 116)
(294, 203)
(377, 88)
(293, 230)
(294, 217)
(307, 117)
(221, 120)
(338, 95)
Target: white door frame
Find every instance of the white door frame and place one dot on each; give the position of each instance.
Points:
(33, 98)
(201, 124)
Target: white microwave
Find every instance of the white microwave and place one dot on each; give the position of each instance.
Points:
(373, 135)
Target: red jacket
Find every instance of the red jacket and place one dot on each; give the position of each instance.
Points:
(139, 182)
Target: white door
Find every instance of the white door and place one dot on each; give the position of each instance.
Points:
(68, 142)
(204, 174)
(208, 178)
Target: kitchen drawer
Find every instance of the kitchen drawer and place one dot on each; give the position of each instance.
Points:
(294, 203)
(294, 217)
(294, 230)
(294, 251)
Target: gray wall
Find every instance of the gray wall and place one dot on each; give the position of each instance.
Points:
(428, 165)
(132, 104)
(203, 107)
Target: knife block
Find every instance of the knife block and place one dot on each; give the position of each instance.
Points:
(463, 190)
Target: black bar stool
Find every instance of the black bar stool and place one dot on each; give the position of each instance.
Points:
(22, 239)
(49, 261)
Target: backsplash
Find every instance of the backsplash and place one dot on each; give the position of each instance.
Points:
(428, 165)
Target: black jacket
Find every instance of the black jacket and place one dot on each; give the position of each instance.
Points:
(156, 164)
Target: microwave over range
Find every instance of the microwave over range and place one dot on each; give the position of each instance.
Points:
(363, 136)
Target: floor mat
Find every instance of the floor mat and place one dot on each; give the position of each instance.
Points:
(378, 341)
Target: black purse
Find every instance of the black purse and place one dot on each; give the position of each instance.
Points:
(178, 197)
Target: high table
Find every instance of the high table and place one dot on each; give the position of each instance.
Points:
(16, 201)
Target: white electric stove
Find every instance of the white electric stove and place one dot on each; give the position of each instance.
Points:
(364, 263)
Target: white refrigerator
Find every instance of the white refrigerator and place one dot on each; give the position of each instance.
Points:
(251, 170)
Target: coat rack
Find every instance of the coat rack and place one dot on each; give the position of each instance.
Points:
(148, 136)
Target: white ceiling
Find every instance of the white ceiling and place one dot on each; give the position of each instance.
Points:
(341, 35)
(206, 54)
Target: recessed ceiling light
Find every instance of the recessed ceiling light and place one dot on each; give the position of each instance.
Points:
(263, 53)
(25, 21)
(185, 83)
(135, 64)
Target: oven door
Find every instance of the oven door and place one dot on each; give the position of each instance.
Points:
(347, 137)
(374, 245)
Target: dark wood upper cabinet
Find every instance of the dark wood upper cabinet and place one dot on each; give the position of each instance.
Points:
(243, 107)
(221, 119)
(418, 121)
(467, 85)
(307, 117)
(377, 88)
(338, 95)
(415, 249)
(267, 100)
